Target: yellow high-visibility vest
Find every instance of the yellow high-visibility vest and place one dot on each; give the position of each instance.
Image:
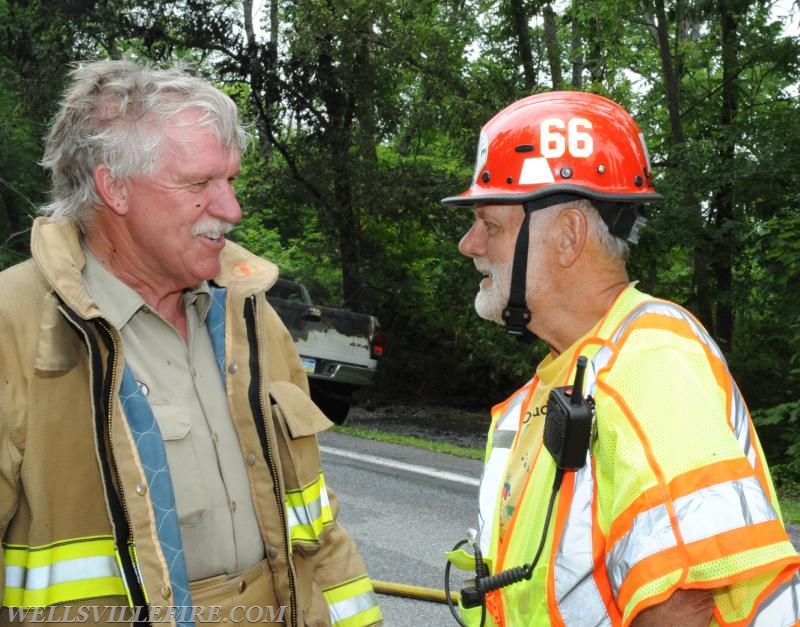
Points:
(675, 492)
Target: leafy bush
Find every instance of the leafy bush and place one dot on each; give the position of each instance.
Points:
(779, 427)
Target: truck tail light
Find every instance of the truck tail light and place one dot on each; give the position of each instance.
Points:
(376, 344)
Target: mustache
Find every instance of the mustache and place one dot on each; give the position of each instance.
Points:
(212, 228)
(485, 267)
(482, 266)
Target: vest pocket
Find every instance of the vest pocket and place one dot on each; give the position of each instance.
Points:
(175, 425)
(297, 421)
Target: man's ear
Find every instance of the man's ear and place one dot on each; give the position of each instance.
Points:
(572, 230)
(113, 192)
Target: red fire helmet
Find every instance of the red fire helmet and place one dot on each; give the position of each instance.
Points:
(564, 142)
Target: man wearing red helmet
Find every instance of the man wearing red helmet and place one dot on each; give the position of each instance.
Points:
(624, 484)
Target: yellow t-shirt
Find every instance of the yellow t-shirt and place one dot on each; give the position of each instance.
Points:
(551, 373)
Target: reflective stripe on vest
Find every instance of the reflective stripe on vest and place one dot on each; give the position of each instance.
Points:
(782, 607)
(579, 600)
(719, 507)
(309, 511)
(83, 568)
(353, 603)
(494, 469)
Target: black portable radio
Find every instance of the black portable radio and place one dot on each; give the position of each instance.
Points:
(568, 425)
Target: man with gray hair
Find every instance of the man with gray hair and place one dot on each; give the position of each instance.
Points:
(624, 484)
(158, 452)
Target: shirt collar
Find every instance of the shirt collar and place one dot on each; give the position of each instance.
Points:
(119, 302)
(200, 298)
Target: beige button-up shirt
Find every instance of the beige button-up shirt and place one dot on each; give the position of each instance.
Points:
(185, 390)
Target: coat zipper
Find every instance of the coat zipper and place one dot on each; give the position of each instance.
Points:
(120, 518)
(110, 407)
(259, 413)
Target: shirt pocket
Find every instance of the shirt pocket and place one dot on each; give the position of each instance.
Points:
(175, 424)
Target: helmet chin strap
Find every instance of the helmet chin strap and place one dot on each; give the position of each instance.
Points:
(516, 315)
(623, 220)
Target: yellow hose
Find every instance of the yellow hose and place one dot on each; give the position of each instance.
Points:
(413, 592)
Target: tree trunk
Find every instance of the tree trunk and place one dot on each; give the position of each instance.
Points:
(576, 55)
(520, 18)
(723, 197)
(551, 45)
(262, 74)
(702, 291)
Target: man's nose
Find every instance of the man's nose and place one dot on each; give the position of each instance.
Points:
(225, 206)
(473, 244)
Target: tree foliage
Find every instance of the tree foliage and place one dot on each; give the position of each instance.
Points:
(366, 112)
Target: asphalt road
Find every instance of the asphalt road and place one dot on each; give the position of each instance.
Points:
(405, 508)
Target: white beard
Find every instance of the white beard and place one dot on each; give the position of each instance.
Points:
(492, 300)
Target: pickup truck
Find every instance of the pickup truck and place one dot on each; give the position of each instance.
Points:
(339, 348)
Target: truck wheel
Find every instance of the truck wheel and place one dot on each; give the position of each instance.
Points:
(334, 403)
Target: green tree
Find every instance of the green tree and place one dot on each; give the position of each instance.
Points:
(345, 78)
(367, 113)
